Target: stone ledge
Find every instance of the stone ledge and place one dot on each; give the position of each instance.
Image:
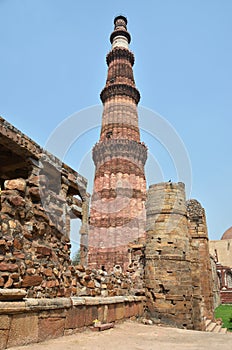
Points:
(29, 305)
(12, 307)
(12, 294)
(47, 304)
(104, 301)
(36, 320)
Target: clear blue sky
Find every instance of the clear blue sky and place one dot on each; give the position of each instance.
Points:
(52, 64)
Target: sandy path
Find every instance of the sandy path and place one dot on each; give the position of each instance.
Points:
(135, 336)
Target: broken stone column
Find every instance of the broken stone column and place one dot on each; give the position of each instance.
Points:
(168, 278)
(200, 262)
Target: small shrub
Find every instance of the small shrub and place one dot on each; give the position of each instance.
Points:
(224, 312)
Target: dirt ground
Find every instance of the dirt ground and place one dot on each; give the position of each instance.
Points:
(135, 336)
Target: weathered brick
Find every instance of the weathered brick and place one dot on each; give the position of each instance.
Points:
(16, 184)
(29, 281)
(8, 267)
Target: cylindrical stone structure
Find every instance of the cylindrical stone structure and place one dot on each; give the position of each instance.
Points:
(167, 262)
(117, 212)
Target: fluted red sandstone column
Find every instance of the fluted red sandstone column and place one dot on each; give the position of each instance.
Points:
(117, 214)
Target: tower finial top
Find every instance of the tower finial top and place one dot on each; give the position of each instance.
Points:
(120, 21)
(120, 36)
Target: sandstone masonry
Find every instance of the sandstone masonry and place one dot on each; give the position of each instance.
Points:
(39, 197)
(117, 213)
(178, 274)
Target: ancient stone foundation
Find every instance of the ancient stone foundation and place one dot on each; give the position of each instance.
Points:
(36, 320)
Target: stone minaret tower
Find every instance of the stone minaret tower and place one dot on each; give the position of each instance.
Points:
(117, 214)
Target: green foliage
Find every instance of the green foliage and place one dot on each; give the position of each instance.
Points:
(225, 313)
(76, 258)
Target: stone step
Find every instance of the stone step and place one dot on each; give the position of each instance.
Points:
(217, 329)
(102, 327)
(212, 326)
(223, 330)
(207, 322)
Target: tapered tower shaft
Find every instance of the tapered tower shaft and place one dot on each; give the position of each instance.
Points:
(117, 215)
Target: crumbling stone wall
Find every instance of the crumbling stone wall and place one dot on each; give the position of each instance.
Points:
(200, 261)
(178, 274)
(168, 276)
(35, 211)
(92, 282)
(35, 251)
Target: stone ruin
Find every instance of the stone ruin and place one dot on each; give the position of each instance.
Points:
(39, 197)
(36, 209)
(178, 274)
(168, 278)
(42, 295)
(163, 274)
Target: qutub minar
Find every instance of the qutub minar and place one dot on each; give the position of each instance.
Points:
(117, 214)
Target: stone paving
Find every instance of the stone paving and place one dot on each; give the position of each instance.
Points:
(136, 336)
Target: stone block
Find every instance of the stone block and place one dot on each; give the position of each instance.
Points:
(45, 251)
(35, 193)
(37, 180)
(29, 281)
(3, 338)
(17, 201)
(4, 322)
(16, 184)
(75, 317)
(8, 267)
(140, 309)
(101, 313)
(91, 315)
(111, 314)
(2, 282)
(127, 310)
(119, 311)
(135, 309)
(24, 330)
(51, 327)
